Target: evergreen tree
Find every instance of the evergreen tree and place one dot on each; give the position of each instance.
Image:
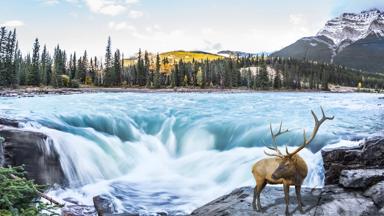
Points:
(3, 46)
(73, 66)
(117, 67)
(18, 64)
(44, 70)
(34, 75)
(156, 79)
(146, 70)
(141, 76)
(262, 77)
(83, 67)
(109, 73)
(11, 78)
(277, 80)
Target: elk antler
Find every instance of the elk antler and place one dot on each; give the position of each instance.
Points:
(274, 136)
(314, 132)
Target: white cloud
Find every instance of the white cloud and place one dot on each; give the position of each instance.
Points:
(118, 26)
(212, 46)
(50, 2)
(135, 14)
(12, 23)
(110, 7)
(296, 19)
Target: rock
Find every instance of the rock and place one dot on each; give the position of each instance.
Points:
(335, 200)
(331, 200)
(31, 149)
(376, 192)
(78, 210)
(368, 155)
(9, 122)
(360, 178)
(103, 205)
(239, 203)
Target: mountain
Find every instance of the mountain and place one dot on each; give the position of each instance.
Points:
(176, 56)
(188, 56)
(230, 53)
(353, 40)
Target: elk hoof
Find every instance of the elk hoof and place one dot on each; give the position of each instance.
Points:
(301, 210)
(287, 213)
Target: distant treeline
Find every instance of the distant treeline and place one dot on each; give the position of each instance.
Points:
(59, 69)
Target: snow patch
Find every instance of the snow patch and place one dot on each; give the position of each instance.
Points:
(353, 27)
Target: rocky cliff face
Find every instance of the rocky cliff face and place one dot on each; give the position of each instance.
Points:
(351, 27)
(32, 150)
(368, 155)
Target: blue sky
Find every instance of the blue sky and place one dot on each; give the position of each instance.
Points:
(209, 25)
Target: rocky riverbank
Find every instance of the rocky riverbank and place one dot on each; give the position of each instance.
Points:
(31, 150)
(41, 91)
(32, 92)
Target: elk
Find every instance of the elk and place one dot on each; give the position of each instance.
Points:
(289, 169)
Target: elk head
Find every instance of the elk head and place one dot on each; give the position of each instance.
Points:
(290, 165)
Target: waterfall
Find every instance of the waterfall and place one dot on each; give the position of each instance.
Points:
(151, 152)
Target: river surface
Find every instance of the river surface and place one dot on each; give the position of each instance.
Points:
(176, 151)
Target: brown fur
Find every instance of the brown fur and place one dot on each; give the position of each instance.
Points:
(288, 170)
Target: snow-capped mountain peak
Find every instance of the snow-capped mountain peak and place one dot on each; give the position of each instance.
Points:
(351, 27)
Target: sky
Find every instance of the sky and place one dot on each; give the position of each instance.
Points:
(164, 25)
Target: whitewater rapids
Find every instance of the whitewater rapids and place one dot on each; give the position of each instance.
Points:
(175, 152)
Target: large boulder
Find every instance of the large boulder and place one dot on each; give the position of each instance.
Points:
(104, 205)
(9, 122)
(335, 200)
(330, 200)
(360, 178)
(35, 152)
(368, 155)
(239, 203)
(376, 192)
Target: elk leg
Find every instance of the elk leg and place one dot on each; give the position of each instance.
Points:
(298, 196)
(254, 198)
(286, 193)
(258, 195)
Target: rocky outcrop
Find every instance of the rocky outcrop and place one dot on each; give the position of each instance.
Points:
(32, 150)
(360, 178)
(335, 200)
(103, 205)
(331, 200)
(239, 202)
(368, 155)
(376, 192)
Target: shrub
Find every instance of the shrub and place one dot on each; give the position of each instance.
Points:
(75, 83)
(65, 80)
(18, 196)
